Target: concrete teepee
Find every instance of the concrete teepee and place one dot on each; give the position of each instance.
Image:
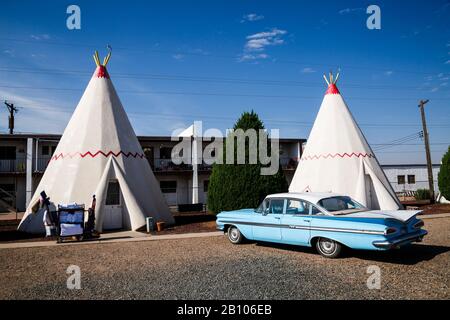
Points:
(337, 158)
(100, 154)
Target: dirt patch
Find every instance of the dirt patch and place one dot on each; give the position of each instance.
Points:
(191, 222)
(436, 208)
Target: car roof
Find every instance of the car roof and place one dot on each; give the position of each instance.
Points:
(312, 197)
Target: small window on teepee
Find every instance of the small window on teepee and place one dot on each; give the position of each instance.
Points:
(113, 193)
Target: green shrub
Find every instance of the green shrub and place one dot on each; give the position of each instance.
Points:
(237, 186)
(444, 175)
(422, 194)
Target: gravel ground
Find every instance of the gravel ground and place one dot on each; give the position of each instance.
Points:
(212, 268)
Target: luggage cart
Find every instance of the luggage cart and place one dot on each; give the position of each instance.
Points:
(70, 222)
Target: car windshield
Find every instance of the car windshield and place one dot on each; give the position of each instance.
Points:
(341, 205)
(262, 207)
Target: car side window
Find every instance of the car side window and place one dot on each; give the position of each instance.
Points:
(295, 206)
(276, 206)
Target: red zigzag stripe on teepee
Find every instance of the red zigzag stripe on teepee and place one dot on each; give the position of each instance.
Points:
(340, 155)
(99, 152)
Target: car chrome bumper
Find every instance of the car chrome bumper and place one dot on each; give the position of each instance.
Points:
(399, 241)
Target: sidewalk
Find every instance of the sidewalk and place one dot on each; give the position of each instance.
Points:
(114, 237)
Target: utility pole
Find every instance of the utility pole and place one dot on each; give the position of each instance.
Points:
(11, 110)
(427, 149)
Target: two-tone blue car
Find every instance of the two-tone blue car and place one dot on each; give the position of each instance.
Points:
(325, 220)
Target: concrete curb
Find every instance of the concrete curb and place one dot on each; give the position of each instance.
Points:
(37, 244)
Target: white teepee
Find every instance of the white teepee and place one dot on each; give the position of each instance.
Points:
(337, 158)
(100, 154)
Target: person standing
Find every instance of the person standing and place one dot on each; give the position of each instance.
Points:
(47, 218)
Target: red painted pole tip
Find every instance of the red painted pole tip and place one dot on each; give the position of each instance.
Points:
(101, 72)
(332, 89)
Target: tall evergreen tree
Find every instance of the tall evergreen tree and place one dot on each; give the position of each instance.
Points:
(237, 186)
(444, 175)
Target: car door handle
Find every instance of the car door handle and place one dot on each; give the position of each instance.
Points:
(277, 218)
(306, 220)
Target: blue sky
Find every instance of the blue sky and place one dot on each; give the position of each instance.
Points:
(174, 62)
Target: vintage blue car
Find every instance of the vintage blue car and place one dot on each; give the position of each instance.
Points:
(325, 220)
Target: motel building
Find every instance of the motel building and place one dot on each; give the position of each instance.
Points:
(24, 158)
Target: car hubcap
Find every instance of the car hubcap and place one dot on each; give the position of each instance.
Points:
(327, 246)
(234, 234)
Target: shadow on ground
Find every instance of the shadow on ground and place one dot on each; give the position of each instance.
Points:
(408, 255)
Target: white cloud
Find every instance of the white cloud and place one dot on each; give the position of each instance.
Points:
(434, 89)
(258, 42)
(267, 34)
(40, 36)
(10, 53)
(308, 70)
(388, 73)
(250, 56)
(178, 56)
(251, 17)
(350, 10)
(444, 84)
(447, 62)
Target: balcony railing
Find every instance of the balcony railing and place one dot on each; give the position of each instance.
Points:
(13, 165)
(41, 164)
(288, 163)
(19, 165)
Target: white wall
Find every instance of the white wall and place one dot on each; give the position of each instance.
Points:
(420, 173)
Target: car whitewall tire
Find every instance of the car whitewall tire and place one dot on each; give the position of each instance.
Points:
(234, 235)
(328, 248)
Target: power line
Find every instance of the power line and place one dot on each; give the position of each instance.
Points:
(220, 94)
(191, 78)
(207, 117)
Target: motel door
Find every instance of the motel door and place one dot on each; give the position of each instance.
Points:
(113, 207)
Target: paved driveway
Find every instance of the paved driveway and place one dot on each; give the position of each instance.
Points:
(205, 268)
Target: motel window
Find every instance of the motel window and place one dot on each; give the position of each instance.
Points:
(165, 153)
(411, 179)
(205, 185)
(45, 150)
(401, 179)
(7, 153)
(48, 150)
(168, 186)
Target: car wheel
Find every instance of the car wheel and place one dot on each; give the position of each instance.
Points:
(328, 248)
(234, 235)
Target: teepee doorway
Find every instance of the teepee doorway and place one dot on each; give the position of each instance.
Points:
(371, 195)
(113, 207)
